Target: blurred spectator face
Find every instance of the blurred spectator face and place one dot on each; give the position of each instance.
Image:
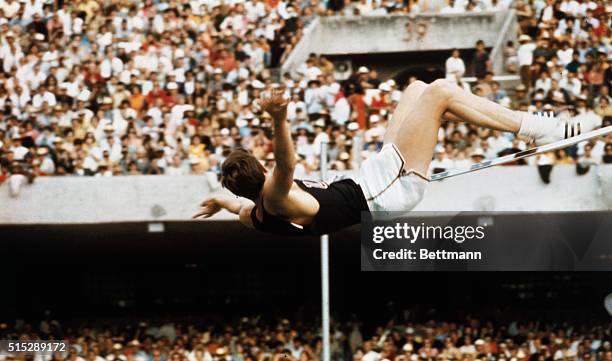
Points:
(480, 46)
(608, 149)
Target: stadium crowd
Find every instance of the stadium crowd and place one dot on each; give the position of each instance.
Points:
(252, 339)
(119, 87)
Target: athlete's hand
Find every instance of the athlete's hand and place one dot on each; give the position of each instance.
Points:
(275, 104)
(208, 208)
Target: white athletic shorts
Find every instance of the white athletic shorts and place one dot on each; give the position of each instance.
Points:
(386, 185)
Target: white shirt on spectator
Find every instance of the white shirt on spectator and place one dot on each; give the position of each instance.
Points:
(547, 14)
(20, 100)
(39, 99)
(525, 54)
(313, 100)
(10, 8)
(10, 59)
(255, 10)
(341, 112)
(108, 67)
(454, 66)
(114, 151)
(544, 84)
(32, 8)
(47, 165)
(77, 26)
(498, 143)
(570, 7)
(105, 39)
(158, 24)
(35, 79)
(312, 72)
(120, 122)
(292, 108)
(371, 356)
(565, 55)
(444, 163)
(573, 86)
(469, 349)
(19, 152)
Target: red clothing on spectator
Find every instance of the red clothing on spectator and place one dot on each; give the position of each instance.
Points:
(159, 93)
(272, 3)
(93, 77)
(359, 106)
(601, 30)
(379, 103)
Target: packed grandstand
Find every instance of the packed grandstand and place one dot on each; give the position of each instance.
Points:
(117, 87)
(254, 339)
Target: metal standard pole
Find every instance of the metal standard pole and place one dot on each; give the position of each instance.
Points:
(325, 268)
(357, 148)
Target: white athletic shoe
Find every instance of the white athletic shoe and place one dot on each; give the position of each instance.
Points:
(562, 128)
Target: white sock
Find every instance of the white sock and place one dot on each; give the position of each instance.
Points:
(536, 125)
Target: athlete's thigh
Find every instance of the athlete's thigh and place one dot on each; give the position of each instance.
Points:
(402, 111)
(418, 133)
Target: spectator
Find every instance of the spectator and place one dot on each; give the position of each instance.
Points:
(481, 62)
(441, 162)
(455, 68)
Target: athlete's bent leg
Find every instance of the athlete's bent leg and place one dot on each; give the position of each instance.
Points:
(542, 128)
(476, 110)
(416, 121)
(416, 134)
(415, 126)
(407, 103)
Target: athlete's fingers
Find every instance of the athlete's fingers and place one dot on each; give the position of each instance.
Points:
(204, 211)
(197, 215)
(206, 202)
(201, 215)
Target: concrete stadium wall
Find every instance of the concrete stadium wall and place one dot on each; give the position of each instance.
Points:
(55, 200)
(521, 189)
(387, 34)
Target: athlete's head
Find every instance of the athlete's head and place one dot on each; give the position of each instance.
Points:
(243, 175)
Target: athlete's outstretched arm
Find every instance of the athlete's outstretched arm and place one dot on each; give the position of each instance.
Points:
(284, 155)
(240, 206)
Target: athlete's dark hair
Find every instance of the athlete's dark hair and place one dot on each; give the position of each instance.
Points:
(243, 175)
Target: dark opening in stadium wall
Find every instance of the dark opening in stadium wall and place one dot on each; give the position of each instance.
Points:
(123, 271)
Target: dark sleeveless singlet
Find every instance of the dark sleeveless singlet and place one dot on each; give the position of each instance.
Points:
(340, 206)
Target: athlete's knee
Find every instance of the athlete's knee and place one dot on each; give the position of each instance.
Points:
(416, 87)
(414, 90)
(440, 89)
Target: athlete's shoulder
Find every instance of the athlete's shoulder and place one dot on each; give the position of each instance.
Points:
(245, 214)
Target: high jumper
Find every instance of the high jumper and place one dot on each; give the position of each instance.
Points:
(392, 180)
